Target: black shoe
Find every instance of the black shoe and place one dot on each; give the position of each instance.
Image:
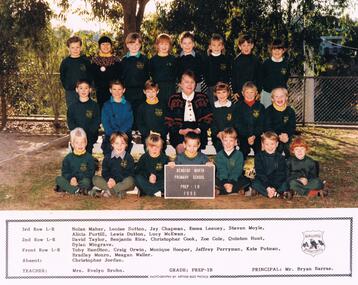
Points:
(58, 189)
(288, 195)
(322, 193)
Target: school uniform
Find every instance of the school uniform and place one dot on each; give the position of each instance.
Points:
(246, 68)
(119, 167)
(151, 117)
(184, 159)
(85, 115)
(307, 168)
(281, 121)
(82, 167)
(116, 117)
(146, 166)
(191, 111)
(223, 117)
(163, 71)
(135, 73)
(270, 172)
(274, 74)
(229, 170)
(250, 120)
(193, 62)
(73, 69)
(216, 68)
(104, 70)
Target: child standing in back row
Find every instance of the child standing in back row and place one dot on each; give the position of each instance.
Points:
(246, 67)
(162, 68)
(73, 68)
(217, 66)
(275, 71)
(135, 72)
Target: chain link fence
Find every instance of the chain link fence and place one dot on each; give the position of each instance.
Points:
(325, 100)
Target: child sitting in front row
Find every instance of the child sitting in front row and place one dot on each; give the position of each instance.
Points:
(149, 177)
(281, 119)
(270, 166)
(191, 155)
(78, 167)
(229, 165)
(302, 171)
(223, 114)
(117, 168)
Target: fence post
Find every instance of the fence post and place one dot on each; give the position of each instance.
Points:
(309, 100)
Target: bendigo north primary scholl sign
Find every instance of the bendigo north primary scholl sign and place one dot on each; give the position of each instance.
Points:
(189, 182)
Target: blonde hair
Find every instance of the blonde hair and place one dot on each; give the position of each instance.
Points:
(154, 139)
(77, 133)
(284, 91)
(251, 85)
(219, 38)
(269, 136)
(132, 37)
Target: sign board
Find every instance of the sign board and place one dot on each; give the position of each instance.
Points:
(189, 182)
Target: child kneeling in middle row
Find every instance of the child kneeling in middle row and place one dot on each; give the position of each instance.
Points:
(229, 165)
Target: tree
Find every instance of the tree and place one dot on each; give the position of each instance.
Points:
(131, 11)
(20, 20)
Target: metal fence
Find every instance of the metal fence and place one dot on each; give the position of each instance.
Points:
(325, 100)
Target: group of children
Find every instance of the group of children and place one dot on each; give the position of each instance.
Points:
(234, 115)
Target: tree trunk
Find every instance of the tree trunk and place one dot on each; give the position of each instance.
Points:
(133, 18)
(3, 107)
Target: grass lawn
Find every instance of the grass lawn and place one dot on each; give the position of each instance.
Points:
(27, 182)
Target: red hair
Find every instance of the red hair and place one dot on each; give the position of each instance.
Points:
(298, 142)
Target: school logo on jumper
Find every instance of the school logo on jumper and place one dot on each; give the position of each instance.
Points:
(159, 166)
(89, 114)
(124, 163)
(82, 67)
(256, 113)
(313, 243)
(158, 112)
(229, 117)
(283, 71)
(285, 119)
(232, 162)
(83, 167)
(223, 66)
(140, 65)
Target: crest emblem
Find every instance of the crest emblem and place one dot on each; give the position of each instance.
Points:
(82, 67)
(232, 162)
(285, 119)
(124, 163)
(159, 167)
(223, 66)
(89, 114)
(158, 112)
(140, 65)
(229, 117)
(256, 113)
(283, 71)
(313, 243)
(83, 167)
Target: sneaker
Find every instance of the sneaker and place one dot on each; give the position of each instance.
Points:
(323, 193)
(249, 192)
(93, 192)
(277, 195)
(78, 191)
(106, 193)
(121, 194)
(288, 195)
(58, 189)
(158, 194)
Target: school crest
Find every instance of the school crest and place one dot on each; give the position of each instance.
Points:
(158, 112)
(229, 117)
(232, 162)
(313, 243)
(82, 67)
(159, 166)
(124, 163)
(140, 65)
(83, 167)
(256, 113)
(169, 64)
(285, 119)
(89, 114)
(223, 66)
(283, 71)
